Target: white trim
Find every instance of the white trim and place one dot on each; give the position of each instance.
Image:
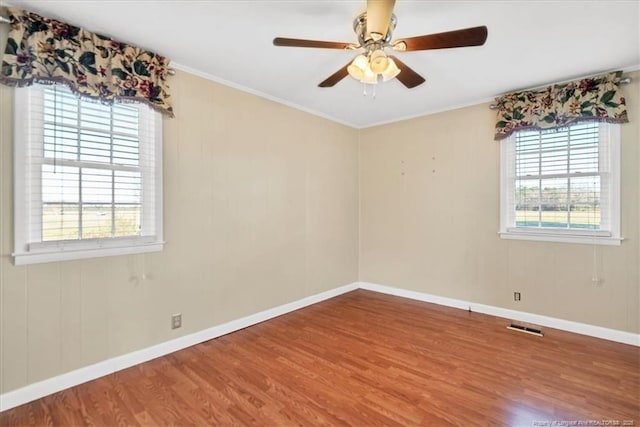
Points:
(631, 68)
(52, 385)
(625, 70)
(260, 94)
(430, 112)
(28, 158)
(615, 171)
(481, 101)
(246, 89)
(609, 143)
(537, 319)
(542, 236)
(255, 92)
(26, 258)
(19, 145)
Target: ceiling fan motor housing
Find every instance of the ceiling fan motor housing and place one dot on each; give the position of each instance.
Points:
(374, 29)
(365, 39)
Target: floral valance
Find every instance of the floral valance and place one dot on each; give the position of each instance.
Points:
(48, 51)
(595, 99)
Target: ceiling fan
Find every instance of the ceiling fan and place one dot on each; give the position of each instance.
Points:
(374, 29)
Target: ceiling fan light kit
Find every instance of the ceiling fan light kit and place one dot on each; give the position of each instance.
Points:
(358, 66)
(374, 30)
(369, 78)
(367, 69)
(378, 61)
(391, 71)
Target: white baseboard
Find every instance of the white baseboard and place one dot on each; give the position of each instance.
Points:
(52, 385)
(521, 316)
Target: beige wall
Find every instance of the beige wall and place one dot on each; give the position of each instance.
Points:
(261, 209)
(265, 205)
(429, 216)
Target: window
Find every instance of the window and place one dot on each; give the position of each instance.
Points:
(88, 177)
(562, 185)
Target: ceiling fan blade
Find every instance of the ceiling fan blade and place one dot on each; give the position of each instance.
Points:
(475, 36)
(283, 41)
(335, 77)
(378, 17)
(407, 76)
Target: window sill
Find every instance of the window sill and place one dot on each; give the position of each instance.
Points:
(560, 237)
(61, 252)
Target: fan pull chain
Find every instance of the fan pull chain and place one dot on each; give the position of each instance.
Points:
(373, 91)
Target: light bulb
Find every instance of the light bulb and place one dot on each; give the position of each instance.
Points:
(369, 77)
(379, 61)
(357, 67)
(355, 72)
(391, 71)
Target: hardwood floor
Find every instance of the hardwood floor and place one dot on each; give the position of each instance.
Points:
(364, 359)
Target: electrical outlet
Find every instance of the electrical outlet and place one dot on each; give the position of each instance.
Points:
(516, 296)
(176, 321)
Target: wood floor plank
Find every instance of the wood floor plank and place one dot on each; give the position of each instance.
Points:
(363, 359)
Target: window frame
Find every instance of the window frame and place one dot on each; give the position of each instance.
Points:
(30, 251)
(611, 236)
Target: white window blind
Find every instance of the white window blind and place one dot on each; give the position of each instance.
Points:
(88, 176)
(562, 181)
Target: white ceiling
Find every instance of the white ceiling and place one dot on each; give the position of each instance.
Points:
(530, 43)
